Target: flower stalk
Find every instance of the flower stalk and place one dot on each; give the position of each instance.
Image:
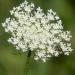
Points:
(28, 62)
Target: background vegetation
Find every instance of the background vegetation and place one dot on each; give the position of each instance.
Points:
(13, 62)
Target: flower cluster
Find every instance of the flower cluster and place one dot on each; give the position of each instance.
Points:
(42, 33)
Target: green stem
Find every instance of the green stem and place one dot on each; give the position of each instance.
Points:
(27, 64)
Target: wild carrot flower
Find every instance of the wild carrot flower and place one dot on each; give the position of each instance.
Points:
(42, 33)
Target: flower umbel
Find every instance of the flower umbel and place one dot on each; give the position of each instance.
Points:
(41, 33)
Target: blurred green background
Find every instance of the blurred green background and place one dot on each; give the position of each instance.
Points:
(13, 62)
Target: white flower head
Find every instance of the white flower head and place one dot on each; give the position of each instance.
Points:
(31, 28)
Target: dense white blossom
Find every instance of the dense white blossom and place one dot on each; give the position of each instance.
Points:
(32, 28)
